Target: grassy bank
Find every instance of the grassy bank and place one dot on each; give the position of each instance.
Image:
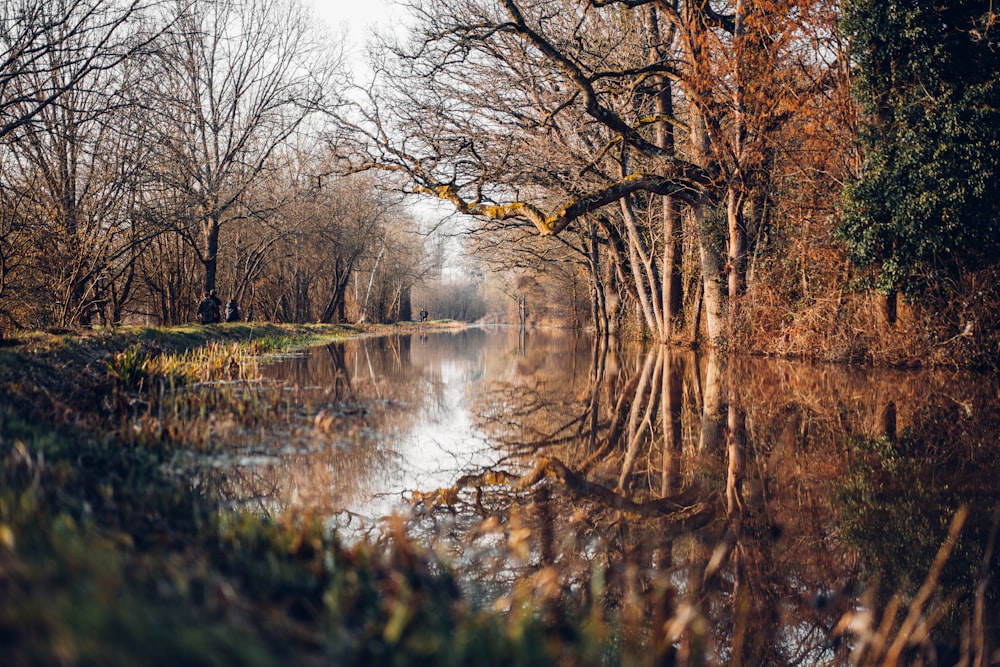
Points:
(106, 560)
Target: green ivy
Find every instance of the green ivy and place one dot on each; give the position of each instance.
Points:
(928, 77)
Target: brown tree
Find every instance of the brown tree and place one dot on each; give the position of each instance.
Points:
(235, 82)
(558, 112)
(49, 47)
(69, 179)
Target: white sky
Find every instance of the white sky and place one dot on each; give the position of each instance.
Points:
(359, 17)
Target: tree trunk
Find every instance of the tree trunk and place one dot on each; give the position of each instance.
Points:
(672, 250)
(734, 195)
(210, 259)
(714, 417)
(673, 442)
(713, 299)
(371, 281)
(888, 308)
(645, 275)
(335, 306)
(405, 306)
(736, 264)
(696, 313)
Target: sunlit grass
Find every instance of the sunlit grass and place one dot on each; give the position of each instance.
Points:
(214, 361)
(103, 560)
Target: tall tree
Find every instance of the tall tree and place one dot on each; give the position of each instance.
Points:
(606, 82)
(77, 165)
(65, 177)
(48, 47)
(237, 79)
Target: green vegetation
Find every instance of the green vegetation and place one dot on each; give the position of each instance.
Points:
(110, 564)
(894, 505)
(895, 502)
(106, 560)
(110, 555)
(924, 211)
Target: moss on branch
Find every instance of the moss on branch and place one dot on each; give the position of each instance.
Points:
(689, 187)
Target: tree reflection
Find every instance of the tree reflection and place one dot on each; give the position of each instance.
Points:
(705, 509)
(330, 452)
(700, 489)
(903, 489)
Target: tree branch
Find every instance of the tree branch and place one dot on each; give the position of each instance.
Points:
(689, 189)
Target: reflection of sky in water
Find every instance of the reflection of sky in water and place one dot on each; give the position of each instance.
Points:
(439, 446)
(416, 413)
(373, 420)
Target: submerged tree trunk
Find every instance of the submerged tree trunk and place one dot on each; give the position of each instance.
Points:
(673, 403)
(736, 454)
(642, 414)
(714, 417)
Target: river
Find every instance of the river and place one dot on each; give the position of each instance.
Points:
(774, 503)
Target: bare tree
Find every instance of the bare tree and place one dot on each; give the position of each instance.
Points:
(552, 113)
(235, 82)
(49, 47)
(297, 262)
(70, 167)
(346, 223)
(146, 140)
(537, 127)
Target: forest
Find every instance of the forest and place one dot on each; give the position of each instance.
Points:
(656, 195)
(804, 178)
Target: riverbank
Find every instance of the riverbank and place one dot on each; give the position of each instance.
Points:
(73, 373)
(111, 554)
(107, 560)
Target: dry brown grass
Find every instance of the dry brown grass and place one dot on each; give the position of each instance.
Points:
(956, 326)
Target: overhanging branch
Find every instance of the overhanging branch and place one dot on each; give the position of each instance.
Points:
(689, 189)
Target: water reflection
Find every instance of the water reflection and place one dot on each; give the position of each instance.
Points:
(372, 421)
(746, 508)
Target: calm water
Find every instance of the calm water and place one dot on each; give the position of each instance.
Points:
(772, 497)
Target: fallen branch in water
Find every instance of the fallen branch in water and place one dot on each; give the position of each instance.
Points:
(690, 509)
